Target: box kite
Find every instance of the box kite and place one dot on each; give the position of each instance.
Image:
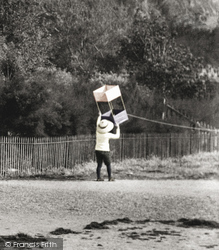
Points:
(111, 94)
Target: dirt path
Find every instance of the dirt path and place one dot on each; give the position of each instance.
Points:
(40, 207)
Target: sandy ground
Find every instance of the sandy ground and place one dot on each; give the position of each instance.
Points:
(152, 210)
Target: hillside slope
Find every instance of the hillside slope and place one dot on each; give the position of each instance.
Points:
(196, 23)
(198, 13)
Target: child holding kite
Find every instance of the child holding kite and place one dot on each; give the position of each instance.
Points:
(102, 148)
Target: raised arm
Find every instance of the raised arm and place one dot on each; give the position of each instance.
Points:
(117, 130)
(117, 134)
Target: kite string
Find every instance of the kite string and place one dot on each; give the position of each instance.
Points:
(173, 125)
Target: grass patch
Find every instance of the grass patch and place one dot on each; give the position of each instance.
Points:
(197, 166)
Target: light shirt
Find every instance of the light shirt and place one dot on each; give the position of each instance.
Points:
(102, 140)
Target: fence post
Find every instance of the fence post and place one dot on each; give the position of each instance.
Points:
(170, 145)
(2, 156)
(217, 138)
(147, 147)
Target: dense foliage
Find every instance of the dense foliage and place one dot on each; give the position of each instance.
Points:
(54, 53)
(160, 63)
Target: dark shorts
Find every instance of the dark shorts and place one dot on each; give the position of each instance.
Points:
(103, 156)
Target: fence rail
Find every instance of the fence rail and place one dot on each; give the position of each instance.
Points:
(35, 155)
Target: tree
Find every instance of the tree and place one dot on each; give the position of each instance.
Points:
(37, 105)
(158, 62)
(25, 33)
(84, 33)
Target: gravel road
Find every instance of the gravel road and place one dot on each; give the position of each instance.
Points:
(38, 207)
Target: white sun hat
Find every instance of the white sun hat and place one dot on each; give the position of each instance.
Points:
(104, 126)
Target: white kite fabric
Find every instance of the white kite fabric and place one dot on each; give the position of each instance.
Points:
(108, 93)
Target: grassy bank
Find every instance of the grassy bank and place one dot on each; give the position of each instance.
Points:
(198, 166)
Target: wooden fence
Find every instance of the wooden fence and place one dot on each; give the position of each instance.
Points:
(35, 155)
